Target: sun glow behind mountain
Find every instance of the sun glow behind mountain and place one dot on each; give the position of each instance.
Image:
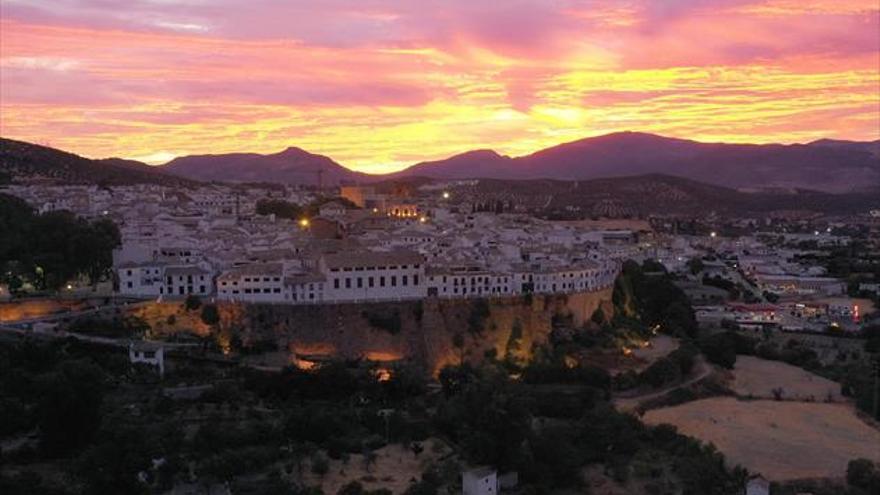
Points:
(380, 84)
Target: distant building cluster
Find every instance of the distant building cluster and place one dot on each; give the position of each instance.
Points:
(210, 242)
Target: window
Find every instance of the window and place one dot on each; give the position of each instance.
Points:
(415, 280)
(370, 282)
(348, 283)
(129, 285)
(382, 281)
(128, 272)
(405, 280)
(394, 281)
(360, 282)
(335, 283)
(247, 291)
(202, 289)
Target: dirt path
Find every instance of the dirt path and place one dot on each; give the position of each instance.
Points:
(628, 404)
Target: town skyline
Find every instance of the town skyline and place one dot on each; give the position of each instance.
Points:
(381, 85)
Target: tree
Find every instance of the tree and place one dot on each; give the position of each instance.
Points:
(52, 248)
(278, 207)
(598, 317)
(458, 343)
(696, 265)
(69, 414)
(320, 465)
(192, 302)
(210, 315)
(862, 473)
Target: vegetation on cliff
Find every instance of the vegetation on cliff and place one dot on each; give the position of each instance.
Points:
(647, 294)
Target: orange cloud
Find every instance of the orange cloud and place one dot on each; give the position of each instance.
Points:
(378, 84)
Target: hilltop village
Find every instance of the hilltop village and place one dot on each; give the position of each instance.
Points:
(430, 337)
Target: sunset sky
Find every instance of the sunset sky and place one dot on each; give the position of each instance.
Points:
(380, 84)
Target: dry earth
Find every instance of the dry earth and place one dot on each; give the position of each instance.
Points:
(396, 468)
(780, 439)
(756, 377)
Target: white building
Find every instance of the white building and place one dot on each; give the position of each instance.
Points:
(479, 481)
(147, 353)
(373, 275)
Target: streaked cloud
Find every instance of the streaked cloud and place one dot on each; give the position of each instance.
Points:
(378, 84)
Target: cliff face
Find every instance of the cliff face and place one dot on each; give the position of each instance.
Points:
(424, 332)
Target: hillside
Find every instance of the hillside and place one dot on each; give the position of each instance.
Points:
(26, 161)
(640, 195)
(291, 166)
(826, 165)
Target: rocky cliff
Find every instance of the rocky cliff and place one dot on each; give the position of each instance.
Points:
(421, 331)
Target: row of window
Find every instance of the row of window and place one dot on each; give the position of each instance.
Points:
(371, 268)
(371, 281)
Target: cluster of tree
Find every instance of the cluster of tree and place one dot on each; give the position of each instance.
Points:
(721, 348)
(56, 389)
(127, 326)
(722, 283)
(491, 419)
(862, 478)
(50, 249)
(647, 292)
(664, 371)
(279, 208)
(285, 209)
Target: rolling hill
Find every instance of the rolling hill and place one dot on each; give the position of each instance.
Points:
(26, 161)
(827, 165)
(640, 195)
(292, 166)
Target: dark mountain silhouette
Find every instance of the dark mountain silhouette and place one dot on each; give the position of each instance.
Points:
(872, 147)
(817, 166)
(26, 161)
(828, 165)
(292, 166)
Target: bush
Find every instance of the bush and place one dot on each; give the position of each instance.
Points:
(192, 302)
(663, 371)
(862, 473)
(390, 322)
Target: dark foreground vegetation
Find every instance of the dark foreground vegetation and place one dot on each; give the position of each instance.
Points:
(48, 250)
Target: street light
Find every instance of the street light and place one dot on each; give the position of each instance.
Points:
(304, 223)
(445, 194)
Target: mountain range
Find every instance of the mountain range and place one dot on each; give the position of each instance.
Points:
(834, 166)
(827, 165)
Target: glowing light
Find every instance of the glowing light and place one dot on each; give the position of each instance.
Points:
(445, 194)
(304, 223)
(713, 234)
(69, 287)
(382, 374)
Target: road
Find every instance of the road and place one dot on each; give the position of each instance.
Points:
(627, 404)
